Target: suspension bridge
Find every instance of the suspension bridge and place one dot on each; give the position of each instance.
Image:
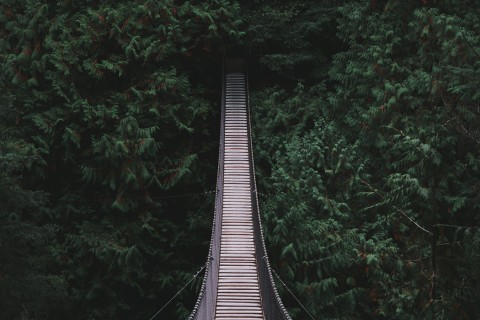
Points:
(238, 282)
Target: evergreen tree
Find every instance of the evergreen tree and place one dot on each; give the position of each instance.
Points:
(401, 120)
(119, 116)
(407, 83)
(366, 142)
(30, 285)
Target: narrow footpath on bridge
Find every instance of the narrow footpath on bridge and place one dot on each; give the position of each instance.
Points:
(238, 282)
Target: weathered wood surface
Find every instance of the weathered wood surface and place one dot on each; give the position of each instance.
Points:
(238, 295)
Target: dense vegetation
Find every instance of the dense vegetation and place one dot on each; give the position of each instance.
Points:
(367, 150)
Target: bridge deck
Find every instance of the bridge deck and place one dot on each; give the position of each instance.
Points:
(238, 295)
(238, 282)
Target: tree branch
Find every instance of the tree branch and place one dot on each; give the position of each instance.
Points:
(396, 208)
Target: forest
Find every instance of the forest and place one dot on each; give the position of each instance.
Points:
(366, 134)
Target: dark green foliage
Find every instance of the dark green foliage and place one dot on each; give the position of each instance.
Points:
(116, 112)
(409, 83)
(29, 282)
(390, 166)
(290, 40)
(307, 203)
(366, 144)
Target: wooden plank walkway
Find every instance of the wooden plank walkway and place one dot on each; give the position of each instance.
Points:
(238, 295)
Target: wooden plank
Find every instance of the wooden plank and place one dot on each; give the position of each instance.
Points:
(238, 288)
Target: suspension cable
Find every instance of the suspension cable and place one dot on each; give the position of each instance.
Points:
(285, 285)
(178, 292)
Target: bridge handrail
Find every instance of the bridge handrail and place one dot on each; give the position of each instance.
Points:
(205, 305)
(273, 307)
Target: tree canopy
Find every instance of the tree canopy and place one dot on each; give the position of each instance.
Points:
(366, 143)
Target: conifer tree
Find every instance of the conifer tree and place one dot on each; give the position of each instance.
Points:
(117, 111)
(407, 84)
(402, 101)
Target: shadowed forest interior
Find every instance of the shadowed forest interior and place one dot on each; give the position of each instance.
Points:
(366, 136)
